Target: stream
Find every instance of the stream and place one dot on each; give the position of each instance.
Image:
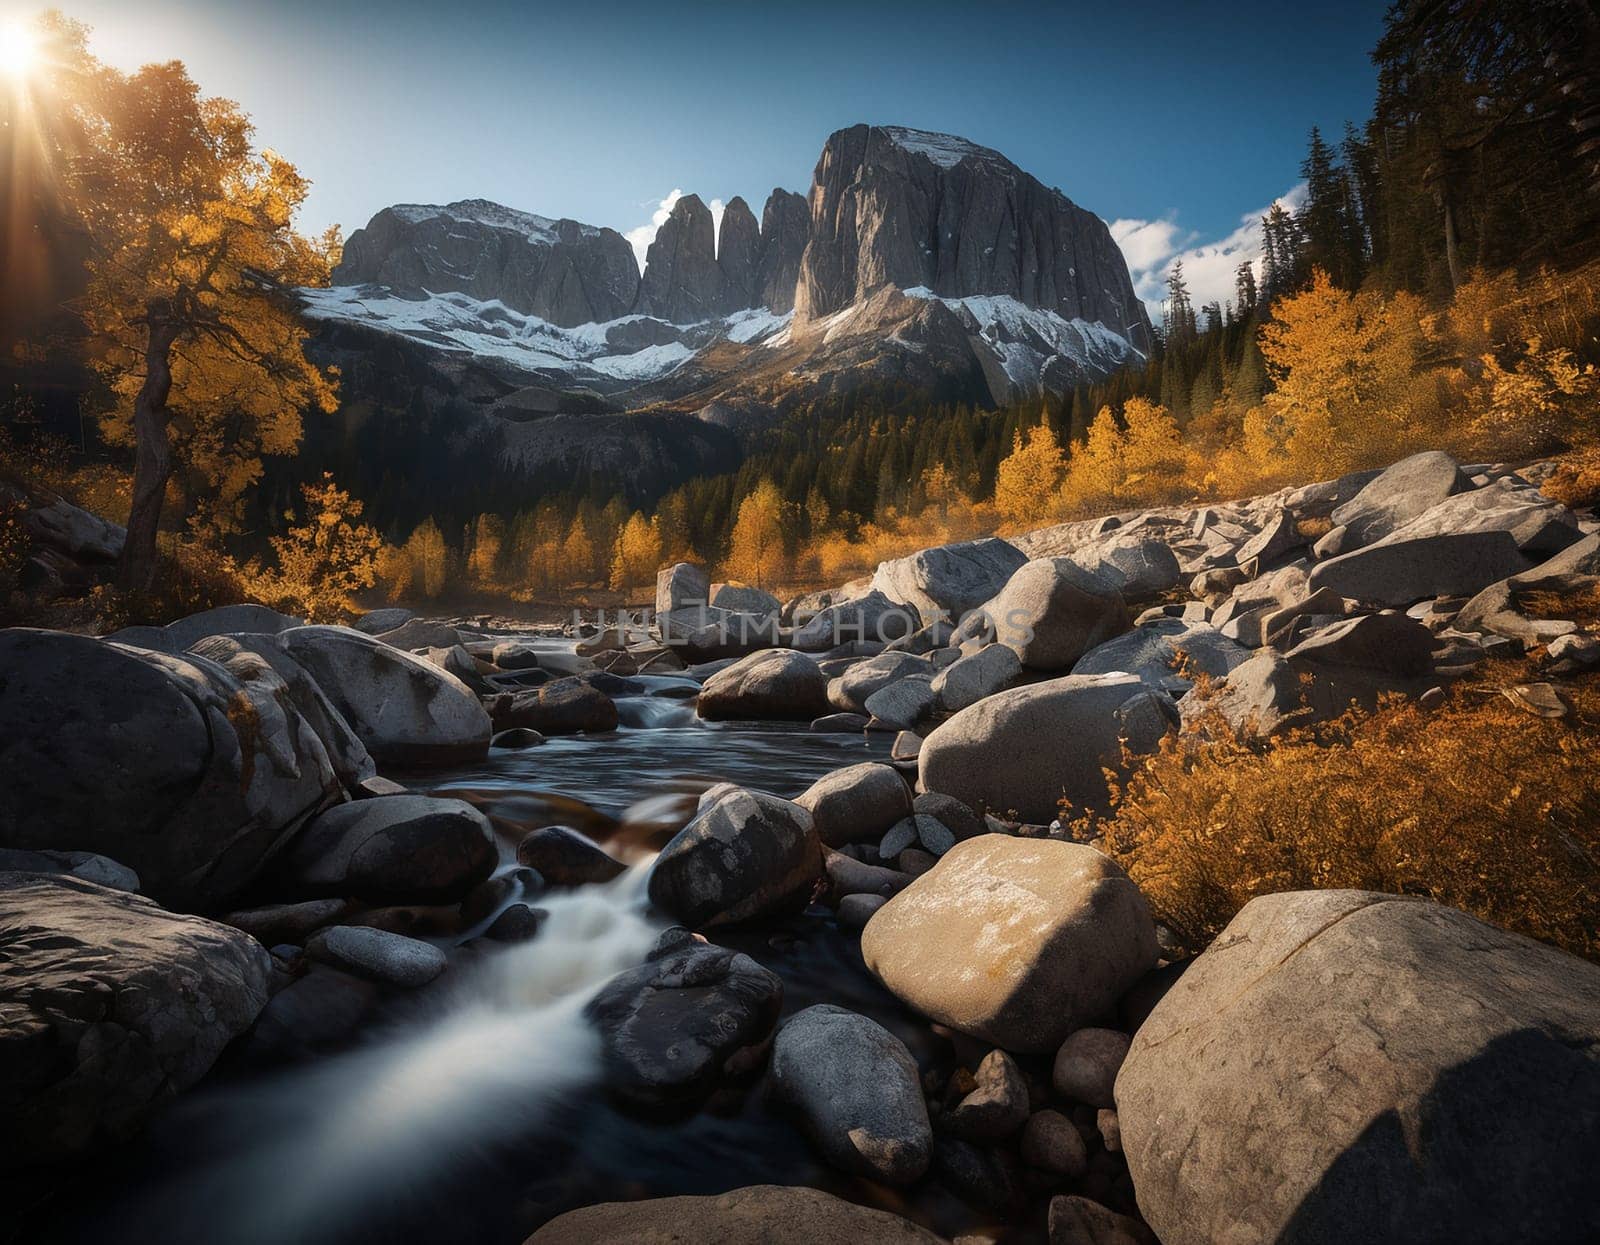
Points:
(476, 1113)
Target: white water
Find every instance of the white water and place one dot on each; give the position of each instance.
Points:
(351, 1132)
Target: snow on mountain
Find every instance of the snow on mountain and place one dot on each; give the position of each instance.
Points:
(945, 150)
(484, 212)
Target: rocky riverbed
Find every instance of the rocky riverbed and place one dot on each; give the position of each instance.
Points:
(757, 921)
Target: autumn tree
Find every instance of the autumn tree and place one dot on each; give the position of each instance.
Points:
(637, 555)
(1028, 477)
(326, 557)
(488, 539)
(755, 553)
(429, 559)
(577, 553)
(193, 251)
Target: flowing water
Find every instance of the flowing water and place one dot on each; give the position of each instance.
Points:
(476, 1112)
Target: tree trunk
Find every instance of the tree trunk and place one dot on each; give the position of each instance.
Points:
(152, 461)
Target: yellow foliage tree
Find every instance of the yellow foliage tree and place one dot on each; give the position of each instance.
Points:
(1029, 476)
(1544, 401)
(429, 559)
(327, 558)
(1143, 462)
(577, 554)
(755, 553)
(488, 539)
(189, 319)
(638, 553)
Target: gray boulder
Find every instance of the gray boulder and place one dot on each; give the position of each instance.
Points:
(744, 599)
(225, 620)
(110, 1006)
(1053, 611)
(377, 955)
(1137, 566)
(759, 1215)
(1015, 941)
(873, 616)
(376, 622)
(857, 1093)
(406, 711)
(775, 684)
(418, 633)
(1278, 537)
(1397, 495)
(1397, 571)
(396, 849)
(1085, 1068)
(568, 706)
(903, 703)
(947, 581)
(1349, 1066)
(747, 855)
(680, 586)
(1157, 651)
(849, 692)
(172, 765)
(672, 1027)
(856, 804)
(969, 679)
(1022, 751)
(87, 866)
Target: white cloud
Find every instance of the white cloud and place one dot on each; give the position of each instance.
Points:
(641, 237)
(1151, 247)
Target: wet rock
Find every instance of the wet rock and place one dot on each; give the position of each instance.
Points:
(759, 1215)
(773, 684)
(110, 1006)
(378, 955)
(399, 848)
(669, 1027)
(856, 910)
(406, 711)
(566, 858)
(1345, 1065)
(839, 724)
(856, 1090)
(1086, 1066)
(287, 922)
(518, 923)
(856, 804)
(568, 706)
(1016, 941)
(516, 739)
(748, 855)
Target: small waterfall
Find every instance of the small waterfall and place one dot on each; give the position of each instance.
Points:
(654, 712)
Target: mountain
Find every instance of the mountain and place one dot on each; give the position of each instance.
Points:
(919, 264)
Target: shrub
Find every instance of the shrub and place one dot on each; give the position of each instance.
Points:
(1478, 805)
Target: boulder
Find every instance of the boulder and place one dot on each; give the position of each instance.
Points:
(1278, 537)
(775, 684)
(1022, 751)
(171, 765)
(1086, 1066)
(856, 804)
(418, 633)
(65, 528)
(670, 1028)
(1349, 1066)
(759, 1215)
(849, 876)
(101, 870)
(1384, 643)
(108, 1007)
(903, 703)
(1496, 610)
(275, 924)
(377, 955)
(1053, 611)
(567, 706)
(681, 585)
(376, 622)
(406, 711)
(564, 857)
(856, 1091)
(1397, 495)
(870, 617)
(744, 599)
(397, 849)
(849, 692)
(1015, 941)
(1398, 571)
(226, 620)
(947, 581)
(969, 679)
(1165, 654)
(747, 855)
(1137, 566)
(1052, 1143)
(1541, 527)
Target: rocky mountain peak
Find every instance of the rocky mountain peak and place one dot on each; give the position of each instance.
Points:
(682, 283)
(739, 256)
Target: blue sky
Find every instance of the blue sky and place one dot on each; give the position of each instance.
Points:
(1176, 122)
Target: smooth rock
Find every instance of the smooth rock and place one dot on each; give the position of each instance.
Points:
(378, 955)
(1086, 1066)
(1053, 611)
(946, 581)
(1166, 654)
(1078, 1221)
(1397, 495)
(1052, 1143)
(1398, 571)
(566, 858)
(856, 804)
(969, 679)
(774, 684)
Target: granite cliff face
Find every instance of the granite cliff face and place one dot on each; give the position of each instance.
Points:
(916, 210)
(559, 270)
(785, 229)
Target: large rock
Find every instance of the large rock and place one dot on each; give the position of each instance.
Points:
(189, 774)
(681, 586)
(947, 581)
(850, 691)
(857, 1092)
(1397, 571)
(967, 680)
(759, 1215)
(1397, 495)
(567, 706)
(872, 617)
(1167, 654)
(744, 599)
(559, 270)
(1138, 566)
(395, 849)
(378, 955)
(856, 804)
(749, 854)
(1348, 1066)
(108, 1006)
(1540, 527)
(406, 711)
(774, 684)
(670, 1028)
(1022, 751)
(1496, 609)
(1053, 611)
(1015, 941)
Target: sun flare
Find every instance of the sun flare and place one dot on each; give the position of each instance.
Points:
(19, 49)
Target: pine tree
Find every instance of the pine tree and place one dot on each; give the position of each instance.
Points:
(1244, 291)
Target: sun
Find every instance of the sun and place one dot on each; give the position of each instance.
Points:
(19, 48)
